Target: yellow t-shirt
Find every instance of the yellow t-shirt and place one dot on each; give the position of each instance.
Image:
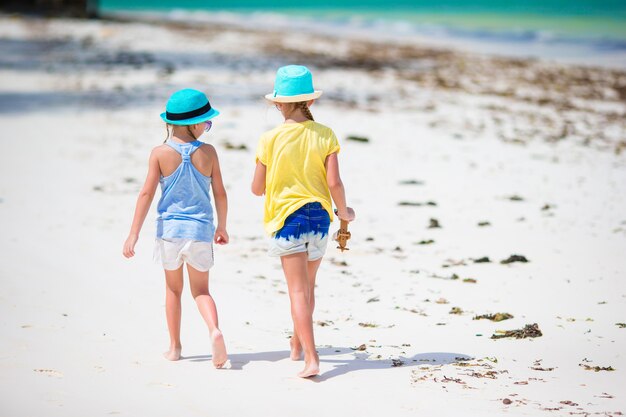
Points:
(294, 155)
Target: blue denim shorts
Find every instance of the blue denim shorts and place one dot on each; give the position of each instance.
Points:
(305, 230)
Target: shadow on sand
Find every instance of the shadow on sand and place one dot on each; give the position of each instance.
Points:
(344, 360)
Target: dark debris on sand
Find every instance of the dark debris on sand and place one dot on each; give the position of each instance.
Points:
(417, 203)
(358, 139)
(537, 366)
(434, 224)
(516, 198)
(596, 368)
(484, 259)
(396, 363)
(530, 330)
(456, 310)
(514, 258)
(411, 182)
(230, 146)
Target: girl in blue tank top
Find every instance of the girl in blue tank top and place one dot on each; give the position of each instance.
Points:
(186, 170)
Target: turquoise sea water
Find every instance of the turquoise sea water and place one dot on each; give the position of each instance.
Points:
(572, 30)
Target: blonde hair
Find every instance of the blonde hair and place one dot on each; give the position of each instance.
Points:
(167, 129)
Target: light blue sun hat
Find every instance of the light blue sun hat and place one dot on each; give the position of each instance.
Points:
(293, 83)
(188, 107)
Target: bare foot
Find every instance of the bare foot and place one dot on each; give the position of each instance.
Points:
(219, 349)
(173, 354)
(296, 349)
(311, 368)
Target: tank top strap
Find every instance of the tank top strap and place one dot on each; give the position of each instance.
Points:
(184, 149)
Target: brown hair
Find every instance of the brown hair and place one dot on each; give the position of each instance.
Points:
(304, 108)
(191, 133)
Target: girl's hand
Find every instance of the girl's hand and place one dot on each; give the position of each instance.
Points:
(347, 214)
(129, 246)
(221, 236)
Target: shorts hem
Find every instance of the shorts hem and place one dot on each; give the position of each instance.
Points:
(317, 258)
(201, 269)
(273, 254)
(167, 267)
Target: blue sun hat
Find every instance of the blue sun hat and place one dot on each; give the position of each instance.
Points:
(188, 107)
(293, 83)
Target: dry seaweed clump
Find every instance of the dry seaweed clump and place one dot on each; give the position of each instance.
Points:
(530, 330)
(596, 368)
(434, 224)
(494, 317)
(514, 258)
(484, 259)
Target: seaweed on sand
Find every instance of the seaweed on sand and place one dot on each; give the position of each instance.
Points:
(514, 258)
(494, 317)
(530, 330)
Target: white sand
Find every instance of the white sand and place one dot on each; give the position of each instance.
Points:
(83, 328)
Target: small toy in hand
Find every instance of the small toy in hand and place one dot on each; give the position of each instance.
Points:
(342, 235)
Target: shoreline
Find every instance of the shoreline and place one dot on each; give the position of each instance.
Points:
(552, 102)
(512, 41)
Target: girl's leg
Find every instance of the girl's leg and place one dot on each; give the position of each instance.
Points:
(173, 290)
(295, 269)
(312, 267)
(199, 284)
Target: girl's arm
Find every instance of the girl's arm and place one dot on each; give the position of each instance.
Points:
(144, 200)
(337, 192)
(221, 200)
(258, 182)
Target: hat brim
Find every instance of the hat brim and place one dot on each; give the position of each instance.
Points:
(293, 99)
(194, 120)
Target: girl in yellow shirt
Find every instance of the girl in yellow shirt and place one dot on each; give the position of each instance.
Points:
(298, 171)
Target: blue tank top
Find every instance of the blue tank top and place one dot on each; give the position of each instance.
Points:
(185, 206)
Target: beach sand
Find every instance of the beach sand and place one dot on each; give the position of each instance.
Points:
(506, 156)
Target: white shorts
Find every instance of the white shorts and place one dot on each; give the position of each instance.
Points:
(305, 230)
(314, 244)
(173, 252)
